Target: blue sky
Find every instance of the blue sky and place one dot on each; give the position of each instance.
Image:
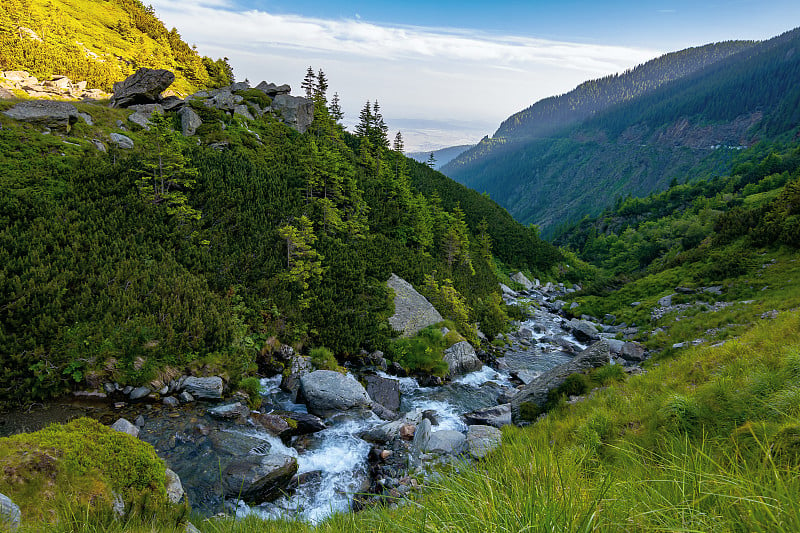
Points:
(448, 72)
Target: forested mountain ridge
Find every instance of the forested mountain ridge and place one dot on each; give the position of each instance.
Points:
(441, 156)
(589, 98)
(199, 254)
(686, 129)
(56, 37)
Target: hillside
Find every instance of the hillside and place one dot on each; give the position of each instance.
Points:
(689, 128)
(56, 37)
(441, 156)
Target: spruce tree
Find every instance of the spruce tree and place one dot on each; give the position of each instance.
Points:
(321, 88)
(398, 143)
(336, 108)
(309, 83)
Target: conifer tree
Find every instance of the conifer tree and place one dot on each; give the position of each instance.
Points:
(321, 88)
(336, 108)
(380, 132)
(431, 162)
(303, 262)
(398, 143)
(364, 126)
(309, 82)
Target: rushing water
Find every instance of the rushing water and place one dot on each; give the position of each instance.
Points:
(332, 464)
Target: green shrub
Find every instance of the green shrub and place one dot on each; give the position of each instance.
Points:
(421, 353)
(252, 386)
(255, 96)
(323, 359)
(491, 315)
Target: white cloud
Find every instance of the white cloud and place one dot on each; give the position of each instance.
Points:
(415, 72)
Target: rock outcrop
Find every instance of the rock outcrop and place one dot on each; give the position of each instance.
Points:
(142, 87)
(210, 387)
(412, 312)
(296, 111)
(520, 278)
(532, 397)
(461, 359)
(327, 392)
(47, 113)
(60, 87)
(258, 478)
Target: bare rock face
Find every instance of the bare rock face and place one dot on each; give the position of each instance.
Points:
(520, 278)
(533, 396)
(461, 359)
(51, 114)
(412, 312)
(272, 90)
(296, 111)
(142, 87)
(190, 121)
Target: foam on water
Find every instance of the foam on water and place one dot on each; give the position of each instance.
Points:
(487, 373)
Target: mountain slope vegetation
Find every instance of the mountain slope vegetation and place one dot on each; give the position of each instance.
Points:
(56, 37)
(692, 125)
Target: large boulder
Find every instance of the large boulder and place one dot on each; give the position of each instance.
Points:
(296, 111)
(302, 423)
(10, 514)
(532, 397)
(123, 141)
(204, 387)
(258, 478)
(124, 426)
(446, 441)
(520, 278)
(173, 486)
(632, 351)
(584, 331)
(483, 439)
(412, 312)
(461, 359)
(272, 90)
(327, 392)
(385, 391)
(142, 87)
(48, 113)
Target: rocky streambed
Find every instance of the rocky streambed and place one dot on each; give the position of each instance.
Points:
(323, 442)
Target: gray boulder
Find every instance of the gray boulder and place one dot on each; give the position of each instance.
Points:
(447, 441)
(497, 416)
(632, 351)
(529, 401)
(143, 112)
(584, 331)
(327, 392)
(296, 111)
(173, 485)
(210, 388)
(272, 90)
(385, 391)
(461, 359)
(520, 278)
(139, 392)
(299, 367)
(190, 121)
(48, 113)
(258, 478)
(422, 437)
(142, 87)
(507, 291)
(615, 346)
(124, 142)
(412, 312)
(483, 439)
(124, 426)
(243, 111)
(303, 423)
(225, 100)
(10, 515)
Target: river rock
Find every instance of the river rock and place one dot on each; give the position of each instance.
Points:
(10, 515)
(632, 351)
(139, 392)
(446, 441)
(615, 345)
(461, 359)
(383, 433)
(48, 113)
(258, 478)
(275, 424)
(327, 392)
(123, 141)
(304, 423)
(142, 87)
(299, 367)
(210, 387)
(231, 411)
(171, 401)
(584, 331)
(385, 391)
(533, 396)
(296, 111)
(124, 426)
(497, 416)
(483, 439)
(412, 312)
(520, 278)
(172, 483)
(422, 437)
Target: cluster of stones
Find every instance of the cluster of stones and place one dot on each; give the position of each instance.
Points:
(60, 87)
(185, 389)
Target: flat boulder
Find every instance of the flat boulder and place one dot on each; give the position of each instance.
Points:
(531, 398)
(142, 87)
(461, 359)
(272, 90)
(210, 387)
(258, 478)
(483, 439)
(496, 416)
(412, 312)
(48, 113)
(327, 392)
(122, 141)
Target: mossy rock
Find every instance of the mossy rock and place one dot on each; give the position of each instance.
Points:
(80, 466)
